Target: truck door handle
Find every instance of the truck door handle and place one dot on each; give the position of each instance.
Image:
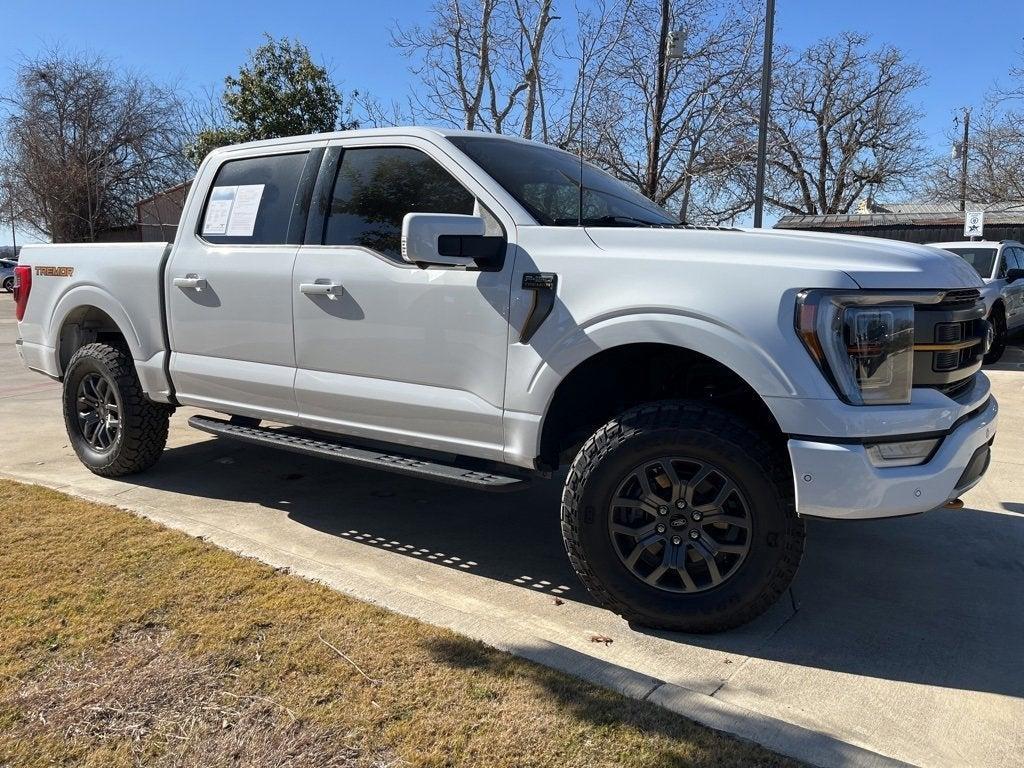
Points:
(190, 281)
(322, 288)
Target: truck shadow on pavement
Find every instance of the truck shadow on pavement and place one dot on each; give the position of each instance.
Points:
(936, 599)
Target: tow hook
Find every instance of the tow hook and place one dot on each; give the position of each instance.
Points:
(954, 504)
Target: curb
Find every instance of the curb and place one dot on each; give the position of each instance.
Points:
(785, 738)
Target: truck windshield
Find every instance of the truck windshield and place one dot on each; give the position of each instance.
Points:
(546, 182)
(981, 259)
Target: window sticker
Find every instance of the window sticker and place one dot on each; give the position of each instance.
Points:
(242, 218)
(218, 210)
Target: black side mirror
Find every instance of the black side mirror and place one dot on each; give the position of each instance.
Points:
(1013, 275)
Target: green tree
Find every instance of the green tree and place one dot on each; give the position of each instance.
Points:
(280, 91)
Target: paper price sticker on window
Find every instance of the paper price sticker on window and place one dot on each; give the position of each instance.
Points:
(242, 220)
(232, 210)
(218, 210)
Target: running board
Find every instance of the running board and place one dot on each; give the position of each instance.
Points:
(363, 457)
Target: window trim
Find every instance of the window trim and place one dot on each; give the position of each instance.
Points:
(316, 226)
(304, 188)
(1018, 257)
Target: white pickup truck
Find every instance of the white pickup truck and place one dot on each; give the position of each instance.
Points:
(459, 307)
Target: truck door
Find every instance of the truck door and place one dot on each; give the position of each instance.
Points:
(229, 302)
(399, 353)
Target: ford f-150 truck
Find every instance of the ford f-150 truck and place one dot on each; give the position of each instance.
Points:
(481, 310)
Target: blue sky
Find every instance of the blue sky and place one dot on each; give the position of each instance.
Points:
(964, 47)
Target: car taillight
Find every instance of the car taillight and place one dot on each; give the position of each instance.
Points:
(22, 288)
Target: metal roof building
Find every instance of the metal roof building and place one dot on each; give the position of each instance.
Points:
(914, 222)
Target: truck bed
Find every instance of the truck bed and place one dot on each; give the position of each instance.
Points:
(123, 280)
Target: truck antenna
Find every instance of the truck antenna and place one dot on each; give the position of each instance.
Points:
(583, 119)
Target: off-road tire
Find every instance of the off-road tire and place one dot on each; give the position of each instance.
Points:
(704, 433)
(995, 352)
(143, 424)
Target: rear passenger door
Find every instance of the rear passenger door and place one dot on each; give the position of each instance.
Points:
(229, 296)
(399, 353)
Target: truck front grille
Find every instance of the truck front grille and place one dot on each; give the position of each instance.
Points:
(949, 341)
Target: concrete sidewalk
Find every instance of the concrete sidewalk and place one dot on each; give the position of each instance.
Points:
(901, 638)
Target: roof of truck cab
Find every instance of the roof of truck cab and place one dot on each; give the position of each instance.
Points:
(422, 132)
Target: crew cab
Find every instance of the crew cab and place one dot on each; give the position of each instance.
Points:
(1001, 267)
(483, 310)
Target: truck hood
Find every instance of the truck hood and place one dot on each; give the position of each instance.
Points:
(872, 263)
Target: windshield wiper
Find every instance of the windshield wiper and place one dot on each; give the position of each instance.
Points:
(612, 221)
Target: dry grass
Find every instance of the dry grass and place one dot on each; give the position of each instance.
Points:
(123, 643)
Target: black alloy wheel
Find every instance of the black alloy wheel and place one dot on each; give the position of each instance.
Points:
(680, 525)
(99, 412)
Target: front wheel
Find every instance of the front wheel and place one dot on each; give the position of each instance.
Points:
(679, 516)
(114, 428)
(9, 284)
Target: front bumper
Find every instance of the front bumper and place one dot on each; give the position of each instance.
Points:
(839, 480)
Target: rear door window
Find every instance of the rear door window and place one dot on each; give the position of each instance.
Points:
(252, 199)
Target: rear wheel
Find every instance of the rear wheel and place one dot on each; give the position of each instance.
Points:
(998, 345)
(114, 428)
(679, 516)
(9, 284)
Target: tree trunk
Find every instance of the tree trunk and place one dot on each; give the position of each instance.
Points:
(658, 107)
(536, 46)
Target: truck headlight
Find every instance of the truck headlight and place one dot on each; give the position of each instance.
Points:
(863, 343)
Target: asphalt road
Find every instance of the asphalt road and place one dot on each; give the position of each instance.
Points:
(900, 637)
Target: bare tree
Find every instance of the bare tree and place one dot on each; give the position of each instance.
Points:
(481, 62)
(995, 155)
(369, 111)
(842, 126)
(573, 104)
(678, 128)
(84, 142)
(533, 20)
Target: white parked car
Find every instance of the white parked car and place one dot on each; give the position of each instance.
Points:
(471, 312)
(7, 274)
(1001, 266)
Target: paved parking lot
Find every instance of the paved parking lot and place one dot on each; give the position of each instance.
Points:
(900, 637)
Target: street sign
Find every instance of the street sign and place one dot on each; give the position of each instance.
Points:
(974, 224)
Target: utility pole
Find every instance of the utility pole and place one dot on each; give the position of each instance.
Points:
(14, 237)
(762, 128)
(658, 108)
(963, 159)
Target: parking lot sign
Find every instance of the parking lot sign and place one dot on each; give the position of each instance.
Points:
(974, 224)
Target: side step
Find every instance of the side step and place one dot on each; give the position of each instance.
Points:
(363, 457)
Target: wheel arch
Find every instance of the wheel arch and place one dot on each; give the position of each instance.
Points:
(88, 313)
(616, 378)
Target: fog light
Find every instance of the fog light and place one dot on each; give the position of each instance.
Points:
(904, 454)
